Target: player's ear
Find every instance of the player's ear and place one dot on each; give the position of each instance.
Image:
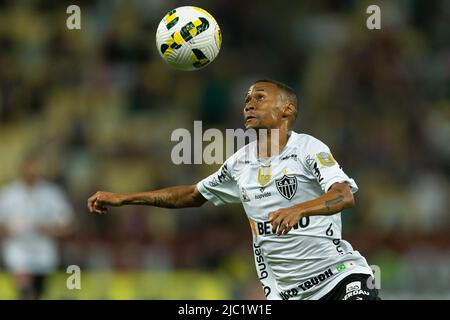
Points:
(288, 110)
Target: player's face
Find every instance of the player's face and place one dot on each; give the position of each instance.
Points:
(262, 106)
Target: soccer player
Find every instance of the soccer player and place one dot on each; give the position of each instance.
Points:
(292, 190)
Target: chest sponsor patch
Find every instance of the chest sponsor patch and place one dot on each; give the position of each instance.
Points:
(264, 175)
(287, 186)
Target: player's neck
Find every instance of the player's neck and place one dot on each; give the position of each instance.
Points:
(272, 142)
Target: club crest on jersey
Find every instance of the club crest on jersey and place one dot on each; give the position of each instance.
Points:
(287, 186)
(264, 175)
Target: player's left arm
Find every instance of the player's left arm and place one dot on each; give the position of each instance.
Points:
(338, 198)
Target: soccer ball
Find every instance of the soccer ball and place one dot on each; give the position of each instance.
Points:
(188, 38)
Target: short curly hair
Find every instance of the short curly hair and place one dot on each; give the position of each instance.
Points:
(290, 96)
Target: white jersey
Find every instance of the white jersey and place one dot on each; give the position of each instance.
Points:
(312, 258)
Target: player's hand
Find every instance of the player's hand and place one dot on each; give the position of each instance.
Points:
(100, 200)
(284, 219)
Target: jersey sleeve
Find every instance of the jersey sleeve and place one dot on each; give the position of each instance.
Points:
(220, 188)
(319, 161)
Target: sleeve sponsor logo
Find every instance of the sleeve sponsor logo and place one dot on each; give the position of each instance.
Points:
(317, 173)
(223, 174)
(214, 182)
(221, 177)
(312, 164)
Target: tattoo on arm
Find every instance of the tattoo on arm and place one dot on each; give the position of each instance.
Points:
(333, 202)
(157, 200)
(173, 197)
(163, 202)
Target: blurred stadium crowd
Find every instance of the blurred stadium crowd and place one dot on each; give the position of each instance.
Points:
(98, 106)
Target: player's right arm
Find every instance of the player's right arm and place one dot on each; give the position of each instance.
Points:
(182, 196)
